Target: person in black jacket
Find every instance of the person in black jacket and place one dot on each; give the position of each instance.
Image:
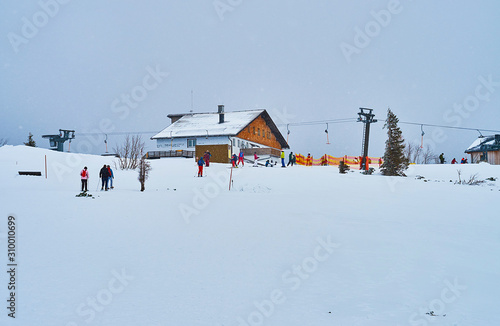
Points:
(104, 175)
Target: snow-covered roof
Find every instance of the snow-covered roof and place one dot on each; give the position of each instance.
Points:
(198, 124)
(488, 143)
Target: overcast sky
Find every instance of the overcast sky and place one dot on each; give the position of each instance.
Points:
(122, 66)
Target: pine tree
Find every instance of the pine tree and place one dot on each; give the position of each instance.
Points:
(395, 161)
(343, 168)
(31, 142)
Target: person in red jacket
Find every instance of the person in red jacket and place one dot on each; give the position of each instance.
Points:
(111, 177)
(309, 159)
(200, 166)
(240, 158)
(85, 177)
(206, 158)
(255, 158)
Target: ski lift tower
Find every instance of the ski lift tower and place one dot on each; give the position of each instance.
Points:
(366, 116)
(57, 141)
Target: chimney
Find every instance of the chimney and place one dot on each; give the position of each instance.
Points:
(221, 113)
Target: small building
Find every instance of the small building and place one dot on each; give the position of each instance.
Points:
(221, 133)
(485, 149)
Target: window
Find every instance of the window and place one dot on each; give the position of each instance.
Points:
(191, 142)
(254, 130)
(258, 132)
(248, 129)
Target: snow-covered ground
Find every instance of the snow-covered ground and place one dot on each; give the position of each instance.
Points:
(294, 246)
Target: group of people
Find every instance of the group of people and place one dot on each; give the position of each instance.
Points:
(203, 161)
(462, 161)
(454, 161)
(236, 160)
(106, 175)
(240, 159)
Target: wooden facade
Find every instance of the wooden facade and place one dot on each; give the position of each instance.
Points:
(492, 157)
(220, 153)
(259, 132)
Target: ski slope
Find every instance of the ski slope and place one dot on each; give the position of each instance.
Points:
(294, 246)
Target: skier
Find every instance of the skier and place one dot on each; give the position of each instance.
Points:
(441, 158)
(200, 166)
(104, 175)
(111, 177)
(241, 156)
(324, 160)
(290, 159)
(85, 177)
(454, 161)
(206, 157)
(309, 159)
(255, 158)
(283, 159)
(462, 161)
(234, 160)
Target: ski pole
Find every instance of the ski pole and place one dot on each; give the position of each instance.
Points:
(231, 178)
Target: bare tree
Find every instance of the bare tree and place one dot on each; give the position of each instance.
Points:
(428, 156)
(143, 168)
(409, 149)
(417, 154)
(3, 141)
(129, 153)
(413, 151)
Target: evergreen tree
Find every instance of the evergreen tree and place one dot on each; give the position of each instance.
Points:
(395, 160)
(343, 168)
(31, 142)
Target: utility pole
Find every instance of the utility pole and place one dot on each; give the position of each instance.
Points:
(366, 116)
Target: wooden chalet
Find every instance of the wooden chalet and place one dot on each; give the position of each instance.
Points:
(221, 133)
(485, 149)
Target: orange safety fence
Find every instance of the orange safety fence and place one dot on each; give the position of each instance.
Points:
(353, 161)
